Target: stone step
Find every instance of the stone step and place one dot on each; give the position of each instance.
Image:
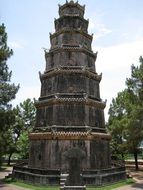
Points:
(8, 176)
(65, 175)
(61, 184)
(63, 178)
(74, 188)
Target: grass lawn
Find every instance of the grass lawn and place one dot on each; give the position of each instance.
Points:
(109, 187)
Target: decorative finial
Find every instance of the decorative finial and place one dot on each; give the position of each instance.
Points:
(45, 50)
(72, 1)
(40, 76)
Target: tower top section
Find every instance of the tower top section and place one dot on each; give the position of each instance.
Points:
(71, 8)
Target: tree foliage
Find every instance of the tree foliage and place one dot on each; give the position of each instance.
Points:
(7, 91)
(126, 114)
(24, 122)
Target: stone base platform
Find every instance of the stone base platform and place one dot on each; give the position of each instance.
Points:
(36, 176)
(104, 176)
(52, 177)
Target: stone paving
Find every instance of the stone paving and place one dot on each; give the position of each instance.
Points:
(138, 176)
(4, 186)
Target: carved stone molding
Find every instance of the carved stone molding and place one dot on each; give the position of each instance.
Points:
(67, 30)
(70, 70)
(69, 136)
(58, 100)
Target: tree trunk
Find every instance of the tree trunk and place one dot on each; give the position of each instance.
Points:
(136, 160)
(0, 160)
(123, 157)
(9, 159)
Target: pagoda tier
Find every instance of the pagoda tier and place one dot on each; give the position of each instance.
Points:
(66, 36)
(71, 8)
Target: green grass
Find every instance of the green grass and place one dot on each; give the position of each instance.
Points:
(113, 186)
(28, 186)
(131, 156)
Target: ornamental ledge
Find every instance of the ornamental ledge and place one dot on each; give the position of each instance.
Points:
(74, 48)
(58, 100)
(61, 70)
(68, 29)
(69, 136)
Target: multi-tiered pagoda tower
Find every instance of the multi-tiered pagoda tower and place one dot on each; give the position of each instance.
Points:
(70, 112)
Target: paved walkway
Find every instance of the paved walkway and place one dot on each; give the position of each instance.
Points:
(138, 176)
(4, 172)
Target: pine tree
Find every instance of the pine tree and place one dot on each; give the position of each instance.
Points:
(126, 115)
(7, 90)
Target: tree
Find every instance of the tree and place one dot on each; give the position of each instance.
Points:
(7, 91)
(117, 124)
(24, 122)
(135, 96)
(126, 114)
(26, 114)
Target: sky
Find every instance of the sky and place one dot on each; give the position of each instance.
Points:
(117, 26)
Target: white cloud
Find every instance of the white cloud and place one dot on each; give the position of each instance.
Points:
(99, 28)
(26, 92)
(115, 64)
(15, 45)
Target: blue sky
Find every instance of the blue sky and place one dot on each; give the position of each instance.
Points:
(117, 26)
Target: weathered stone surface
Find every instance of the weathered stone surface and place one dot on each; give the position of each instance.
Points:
(50, 153)
(75, 55)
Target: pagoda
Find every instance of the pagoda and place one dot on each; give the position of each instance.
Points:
(70, 111)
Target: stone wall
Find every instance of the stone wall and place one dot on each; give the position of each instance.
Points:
(49, 154)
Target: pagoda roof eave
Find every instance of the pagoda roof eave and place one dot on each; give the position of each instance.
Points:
(72, 48)
(73, 16)
(58, 100)
(70, 70)
(67, 30)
